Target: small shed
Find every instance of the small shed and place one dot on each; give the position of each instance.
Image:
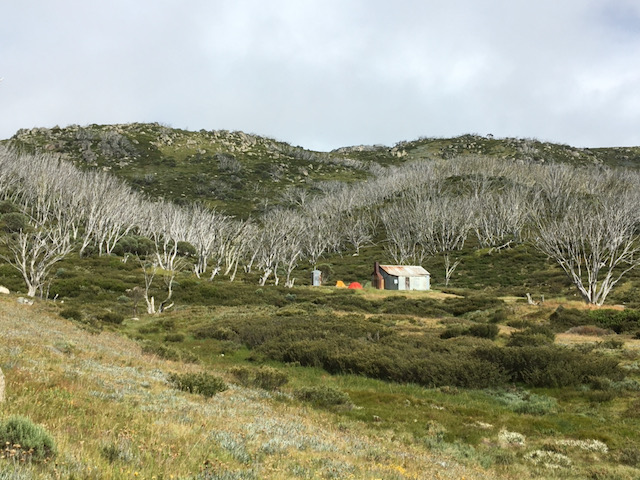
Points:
(401, 277)
(316, 278)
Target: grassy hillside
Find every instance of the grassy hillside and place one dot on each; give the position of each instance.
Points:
(114, 414)
(241, 173)
(238, 381)
(244, 174)
(112, 409)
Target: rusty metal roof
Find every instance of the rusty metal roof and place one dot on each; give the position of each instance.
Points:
(405, 270)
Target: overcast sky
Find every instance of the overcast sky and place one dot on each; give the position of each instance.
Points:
(328, 73)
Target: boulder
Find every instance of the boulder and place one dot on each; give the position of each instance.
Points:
(4, 290)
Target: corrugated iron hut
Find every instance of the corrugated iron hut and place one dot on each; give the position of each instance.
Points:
(400, 277)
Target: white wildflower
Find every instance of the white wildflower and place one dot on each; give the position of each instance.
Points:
(508, 438)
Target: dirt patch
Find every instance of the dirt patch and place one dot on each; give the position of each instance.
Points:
(435, 294)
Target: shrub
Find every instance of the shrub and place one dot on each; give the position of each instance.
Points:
(619, 321)
(484, 330)
(267, 378)
(453, 331)
(564, 318)
(14, 222)
(242, 375)
(522, 401)
(629, 456)
(35, 442)
(201, 383)
(589, 330)
(71, 314)
(167, 352)
(499, 316)
(149, 329)
(7, 206)
(111, 317)
(526, 339)
(174, 337)
(633, 410)
(611, 344)
(519, 323)
(541, 330)
(532, 336)
(550, 365)
(216, 332)
(460, 306)
(322, 396)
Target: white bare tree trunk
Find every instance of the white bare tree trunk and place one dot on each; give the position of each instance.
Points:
(595, 242)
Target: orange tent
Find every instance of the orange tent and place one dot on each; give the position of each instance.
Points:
(355, 286)
(340, 284)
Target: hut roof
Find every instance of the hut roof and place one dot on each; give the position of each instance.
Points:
(405, 270)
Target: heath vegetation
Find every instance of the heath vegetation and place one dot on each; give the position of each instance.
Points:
(174, 333)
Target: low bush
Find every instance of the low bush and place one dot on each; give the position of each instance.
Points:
(267, 378)
(522, 401)
(167, 352)
(564, 318)
(532, 336)
(610, 344)
(480, 330)
(14, 222)
(629, 455)
(519, 323)
(353, 344)
(28, 440)
(242, 375)
(459, 306)
(620, 321)
(453, 332)
(201, 383)
(111, 317)
(484, 330)
(216, 332)
(589, 330)
(147, 329)
(550, 365)
(71, 314)
(322, 396)
(174, 337)
(499, 316)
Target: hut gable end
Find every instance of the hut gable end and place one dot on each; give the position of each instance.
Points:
(401, 277)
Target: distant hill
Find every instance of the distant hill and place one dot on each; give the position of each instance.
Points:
(242, 173)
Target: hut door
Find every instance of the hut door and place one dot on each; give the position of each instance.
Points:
(407, 283)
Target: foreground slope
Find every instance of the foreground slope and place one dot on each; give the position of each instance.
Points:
(114, 415)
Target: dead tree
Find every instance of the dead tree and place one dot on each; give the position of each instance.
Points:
(595, 241)
(34, 252)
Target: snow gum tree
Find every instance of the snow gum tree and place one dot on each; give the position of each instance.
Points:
(35, 250)
(595, 241)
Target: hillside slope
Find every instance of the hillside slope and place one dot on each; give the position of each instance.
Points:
(113, 414)
(242, 173)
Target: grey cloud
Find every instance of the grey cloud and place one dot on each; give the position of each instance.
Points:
(324, 74)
